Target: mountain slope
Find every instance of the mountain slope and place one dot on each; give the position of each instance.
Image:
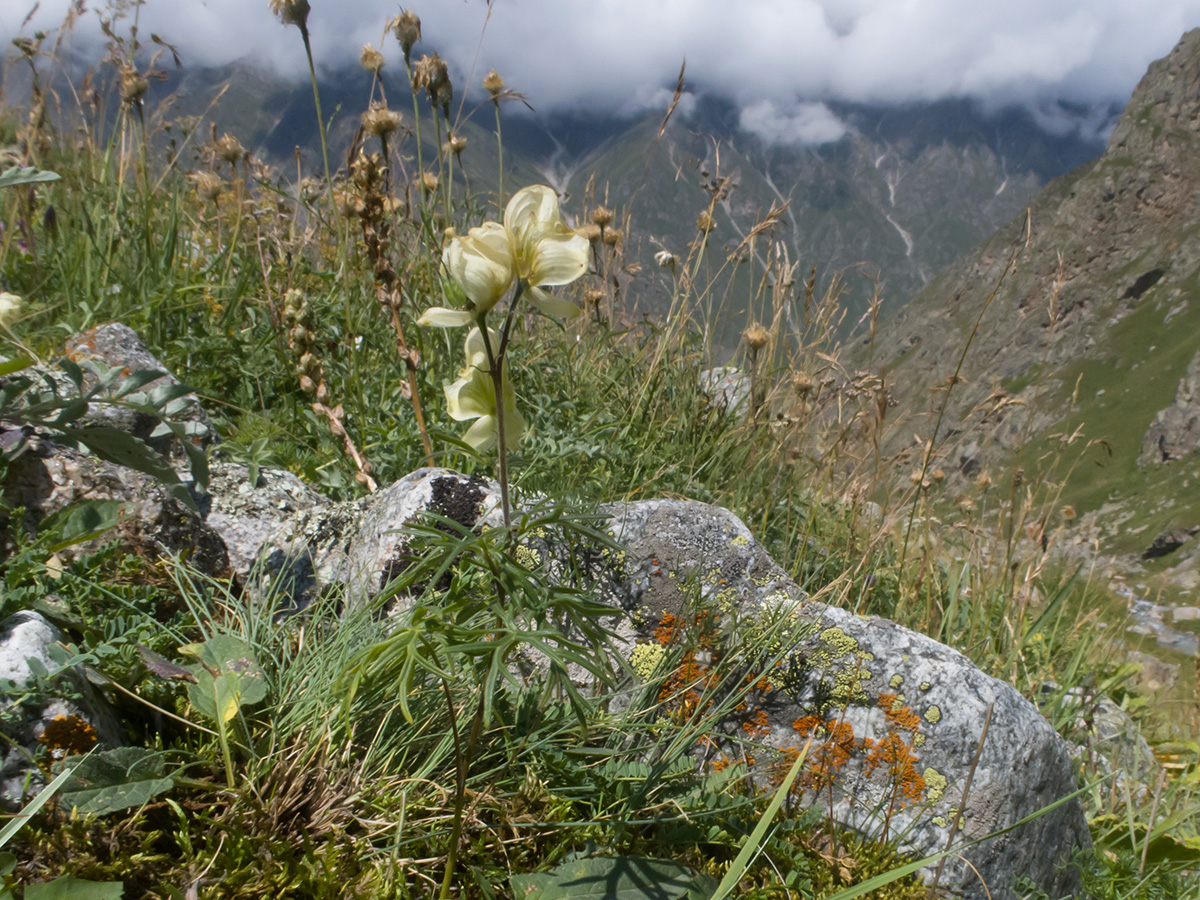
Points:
(1089, 336)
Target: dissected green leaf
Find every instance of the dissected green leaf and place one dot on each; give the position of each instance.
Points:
(116, 779)
(609, 878)
(68, 887)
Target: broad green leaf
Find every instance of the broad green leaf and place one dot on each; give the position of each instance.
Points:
(81, 522)
(10, 366)
(117, 779)
(26, 175)
(68, 887)
(228, 677)
(615, 878)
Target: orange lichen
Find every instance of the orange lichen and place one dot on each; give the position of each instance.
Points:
(899, 715)
(900, 762)
(670, 627)
(68, 736)
(827, 758)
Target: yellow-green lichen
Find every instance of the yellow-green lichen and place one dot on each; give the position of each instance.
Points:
(933, 715)
(935, 784)
(918, 740)
(896, 680)
(646, 658)
(740, 541)
(528, 557)
(940, 821)
(925, 685)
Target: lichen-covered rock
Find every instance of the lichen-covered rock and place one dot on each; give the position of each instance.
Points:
(37, 721)
(48, 477)
(360, 543)
(118, 345)
(895, 718)
(728, 387)
(245, 514)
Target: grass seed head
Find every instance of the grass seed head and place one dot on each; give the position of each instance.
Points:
(133, 85)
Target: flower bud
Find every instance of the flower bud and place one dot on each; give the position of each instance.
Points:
(379, 121)
(756, 337)
(291, 12)
(133, 84)
(494, 84)
(371, 59)
(307, 384)
(208, 185)
(407, 28)
(10, 305)
(230, 149)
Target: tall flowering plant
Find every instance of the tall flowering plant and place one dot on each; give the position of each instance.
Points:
(531, 251)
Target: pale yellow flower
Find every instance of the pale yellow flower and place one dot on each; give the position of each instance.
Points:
(10, 305)
(473, 396)
(534, 245)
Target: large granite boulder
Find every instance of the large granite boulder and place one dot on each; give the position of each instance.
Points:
(909, 739)
(38, 720)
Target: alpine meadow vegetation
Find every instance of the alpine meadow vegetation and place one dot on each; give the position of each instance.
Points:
(355, 318)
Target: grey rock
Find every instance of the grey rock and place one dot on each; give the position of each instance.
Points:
(1165, 543)
(877, 678)
(117, 345)
(1155, 674)
(1101, 731)
(728, 387)
(1185, 614)
(360, 543)
(245, 515)
(48, 477)
(29, 707)
(1175, 431)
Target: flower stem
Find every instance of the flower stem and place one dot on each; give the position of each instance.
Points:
(312, 71)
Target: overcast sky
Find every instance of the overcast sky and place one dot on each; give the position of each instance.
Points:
(778, 59)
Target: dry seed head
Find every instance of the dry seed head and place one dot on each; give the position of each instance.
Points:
(666, 259)
(379, 121)
(430, 73)
(756, 337)
(938, 475)
(602, 215)
(348, 205)
(494, 84)
(457, 144)
(705, 222)
(291, 12)
(407, 28)
(133, 84)
(591, 232)
(802, 384)
(371, 59)
(593, 295)
(230, 149)
(1069, 514)
(208, 185)
(983, 481)
(612, 237)
(429, 182)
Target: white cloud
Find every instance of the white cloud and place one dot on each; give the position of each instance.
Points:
(800, 123)
(604, 53)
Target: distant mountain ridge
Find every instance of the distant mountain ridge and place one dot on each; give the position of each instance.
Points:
(1095, 333)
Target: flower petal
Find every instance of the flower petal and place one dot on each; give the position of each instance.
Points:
(481, 263)
(474, 350)
(471, 396)
(550, 305)
(440, 317)
(483, 434)
(559, 258)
